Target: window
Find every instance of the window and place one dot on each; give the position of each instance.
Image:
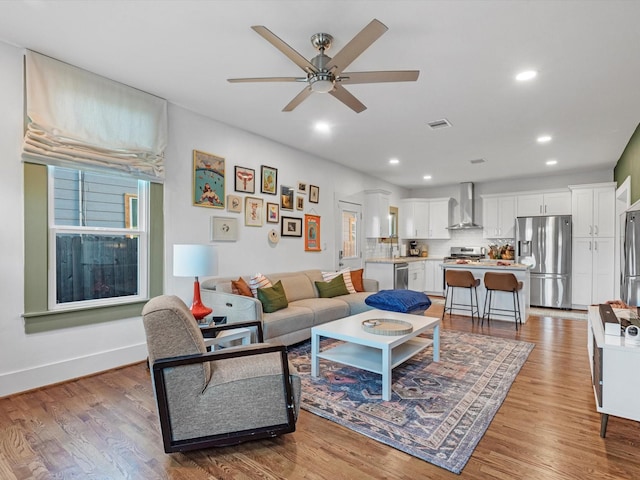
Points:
(98, 238)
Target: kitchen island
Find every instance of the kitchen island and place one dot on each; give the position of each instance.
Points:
(500, 299)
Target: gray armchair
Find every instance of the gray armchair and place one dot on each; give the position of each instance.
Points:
(220, 398)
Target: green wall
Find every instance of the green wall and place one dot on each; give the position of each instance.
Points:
(629, 165)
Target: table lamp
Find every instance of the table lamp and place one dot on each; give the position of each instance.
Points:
(195, 261)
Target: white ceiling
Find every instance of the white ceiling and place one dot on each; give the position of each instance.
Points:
(586, 95)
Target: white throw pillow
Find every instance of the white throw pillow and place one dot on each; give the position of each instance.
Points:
(258, 281)
(346, 274)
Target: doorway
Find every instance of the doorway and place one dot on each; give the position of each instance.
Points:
(349, 234)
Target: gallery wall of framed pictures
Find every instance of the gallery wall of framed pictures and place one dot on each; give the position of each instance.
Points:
(210, 190)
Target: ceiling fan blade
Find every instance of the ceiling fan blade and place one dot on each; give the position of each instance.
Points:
(267, 79)
(351, 78)
(349, 100)
(297, 100)
(277, 42)
(356, 46)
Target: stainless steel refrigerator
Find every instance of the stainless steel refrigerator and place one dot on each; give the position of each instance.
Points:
(630, 289)
(545, 242)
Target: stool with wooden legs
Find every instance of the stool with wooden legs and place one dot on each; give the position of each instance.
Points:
(502, 282)
(461, 279)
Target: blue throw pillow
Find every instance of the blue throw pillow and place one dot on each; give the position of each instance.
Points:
(403, 301)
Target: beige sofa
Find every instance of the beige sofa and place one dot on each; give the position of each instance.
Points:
(292, 324)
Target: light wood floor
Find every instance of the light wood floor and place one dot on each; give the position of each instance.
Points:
(105, 427)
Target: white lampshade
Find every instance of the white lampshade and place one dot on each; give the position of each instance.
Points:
(194, 261)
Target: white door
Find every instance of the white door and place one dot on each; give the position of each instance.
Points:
(349, 235)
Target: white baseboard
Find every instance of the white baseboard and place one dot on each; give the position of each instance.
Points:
(40, 376)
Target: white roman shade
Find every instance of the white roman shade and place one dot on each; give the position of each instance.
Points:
(78, 119)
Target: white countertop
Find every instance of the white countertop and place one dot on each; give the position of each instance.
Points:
(401, 259)
(486, 265)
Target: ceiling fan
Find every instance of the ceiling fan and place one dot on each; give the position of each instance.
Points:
(325, 74)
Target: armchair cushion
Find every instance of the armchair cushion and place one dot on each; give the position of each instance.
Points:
(273, 298)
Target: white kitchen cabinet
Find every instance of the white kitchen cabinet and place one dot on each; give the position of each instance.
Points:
(592, 271)
(433, 277)
(498, 216)
(425, 218)
(416, 276)
(593, 210)
(543, 203)
(376, 211)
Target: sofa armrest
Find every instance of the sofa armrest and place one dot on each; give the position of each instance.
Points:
(237, 308)
(370, 285)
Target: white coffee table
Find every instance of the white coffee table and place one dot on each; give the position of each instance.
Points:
(372, 352)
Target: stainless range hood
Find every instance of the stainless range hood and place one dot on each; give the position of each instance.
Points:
(466, 208)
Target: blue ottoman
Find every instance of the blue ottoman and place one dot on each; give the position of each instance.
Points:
(403, 301)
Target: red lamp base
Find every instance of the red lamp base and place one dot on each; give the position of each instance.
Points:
(198, 309)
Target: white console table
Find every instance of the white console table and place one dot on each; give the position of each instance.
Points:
(614, 371)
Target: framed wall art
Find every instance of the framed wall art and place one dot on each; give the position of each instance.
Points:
(299, 202)
(286, 198)
(314, 194)
(224, 229)
(291, 227)
(273, 213)
(234, 203)
(312, 233)
(253, 211)
(302, 188)
(269, 180)
(208, 180)
(245, 179)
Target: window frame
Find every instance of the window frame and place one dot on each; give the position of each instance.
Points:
(37, 316)
(140, 231)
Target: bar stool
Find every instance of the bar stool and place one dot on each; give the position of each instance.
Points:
(502, 282)
(461, 279)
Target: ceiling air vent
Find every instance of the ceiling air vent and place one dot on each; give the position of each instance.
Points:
(477, 160)
(438, 124)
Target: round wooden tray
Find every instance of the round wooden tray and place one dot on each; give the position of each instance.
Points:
(386, 326)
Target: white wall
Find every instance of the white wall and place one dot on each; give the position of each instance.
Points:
(30, 361)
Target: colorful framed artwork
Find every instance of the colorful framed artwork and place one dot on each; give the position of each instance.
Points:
(302, 188)
(273, 213)
(299, 202)
(314, 194)
(312, 233)
(245, 179)
(234, 203)
(224, 229)
(286, 198)
(208, 180)
(269, 180)
(253, 214)
(291, 227)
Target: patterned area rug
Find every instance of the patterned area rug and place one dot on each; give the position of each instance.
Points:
(439, 411)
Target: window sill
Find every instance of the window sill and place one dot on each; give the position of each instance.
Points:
(37, 322)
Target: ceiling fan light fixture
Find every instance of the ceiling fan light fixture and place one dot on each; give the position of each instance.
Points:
(321, 83)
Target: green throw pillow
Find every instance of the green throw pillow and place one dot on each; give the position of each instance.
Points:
(273, 298)
(332, 288)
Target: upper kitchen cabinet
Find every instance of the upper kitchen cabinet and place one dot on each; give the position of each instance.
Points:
(425, 218)
(376, 213)
(498, 216)
(543, 203)
(593, 209)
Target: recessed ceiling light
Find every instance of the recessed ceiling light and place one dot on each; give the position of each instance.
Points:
(427, 177)
(551, 162)
(526, 75)
(394, 161)
(322, 127)
(544, 138)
